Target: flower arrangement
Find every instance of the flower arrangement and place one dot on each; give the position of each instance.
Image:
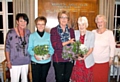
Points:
(74, 50)
(41, 50)
(68, 53)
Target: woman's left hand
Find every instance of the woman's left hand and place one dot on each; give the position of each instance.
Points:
(110, 62)
(84, 57)
(48, 55)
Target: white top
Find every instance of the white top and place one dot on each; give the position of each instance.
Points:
(104, 46)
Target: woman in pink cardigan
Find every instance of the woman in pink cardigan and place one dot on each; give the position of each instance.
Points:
(103, 52)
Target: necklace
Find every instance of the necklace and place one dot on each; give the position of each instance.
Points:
(23, 43)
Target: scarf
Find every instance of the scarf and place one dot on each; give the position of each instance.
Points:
(65, 36)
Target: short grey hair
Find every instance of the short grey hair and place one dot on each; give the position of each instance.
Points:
(83, 20)
(100, 16)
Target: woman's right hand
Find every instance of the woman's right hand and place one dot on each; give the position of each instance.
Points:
(80, 58)
(68, 42)
(72, 40)
(9, 65)
(37, 57)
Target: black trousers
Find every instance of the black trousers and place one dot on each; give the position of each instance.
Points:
(63, 71)
(40, 71)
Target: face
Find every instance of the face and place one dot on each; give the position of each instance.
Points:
(63, 20)
(100, 23)
(82, 27)
(22, 23)
(40, 25)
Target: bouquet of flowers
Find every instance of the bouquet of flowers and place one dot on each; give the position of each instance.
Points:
(74, 50)
(68, 53)
(41, 50)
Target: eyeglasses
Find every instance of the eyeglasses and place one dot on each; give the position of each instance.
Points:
(41, 24)
(64, 17)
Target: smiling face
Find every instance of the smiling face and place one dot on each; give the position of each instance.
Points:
(63, 19)
(100, 22)
(82, 23)
(82, 27)
(21, 23)
(40, 25)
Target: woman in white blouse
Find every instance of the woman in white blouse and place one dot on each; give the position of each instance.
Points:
(103, 52)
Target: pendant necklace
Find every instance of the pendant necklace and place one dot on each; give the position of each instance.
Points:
(23, 43)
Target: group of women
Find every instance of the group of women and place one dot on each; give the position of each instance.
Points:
(93, 67)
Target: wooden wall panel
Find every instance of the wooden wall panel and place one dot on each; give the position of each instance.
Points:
(50, 9)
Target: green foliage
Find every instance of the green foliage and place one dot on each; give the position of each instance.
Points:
(74, 50)
(41, 50)
(79, 48)
(75, 47)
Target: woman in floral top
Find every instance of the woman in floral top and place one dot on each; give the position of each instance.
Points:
(16, 49)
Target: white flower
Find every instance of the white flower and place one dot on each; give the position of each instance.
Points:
(83, 47)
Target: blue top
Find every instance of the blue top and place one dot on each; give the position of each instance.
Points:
(35, 40)
(15, 49)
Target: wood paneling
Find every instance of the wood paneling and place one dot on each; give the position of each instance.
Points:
(50, 9)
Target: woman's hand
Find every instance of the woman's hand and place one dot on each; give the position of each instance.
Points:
(48, 56)
(72, 40)
(37, 57)
(9, 65)
(80, 58)
(84, 57)
(110, 61)
(41, 58)
(68, 42)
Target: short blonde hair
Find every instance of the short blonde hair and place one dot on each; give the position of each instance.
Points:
(63, 12)
(83, 20)
(100, 16)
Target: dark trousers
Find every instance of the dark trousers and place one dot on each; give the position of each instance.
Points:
(63, 71)
(40, 71)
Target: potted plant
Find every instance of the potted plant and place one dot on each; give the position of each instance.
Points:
(42, 51)
(74, 50)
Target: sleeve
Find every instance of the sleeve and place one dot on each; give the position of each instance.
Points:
(92, 40)
(7, 42)
(111, 44)
(51, 50)
(30, 45)
(72, 33)
(55, 40)
(29, 32)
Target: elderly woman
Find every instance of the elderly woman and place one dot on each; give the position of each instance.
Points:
(103, 52)
(62, 35)
(82, 71)
(16, 49)
(40, 66)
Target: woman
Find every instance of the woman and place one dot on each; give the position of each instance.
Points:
(82, 70)
(103, 50)
(61, 36)
(16, 49)
(40, 67)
